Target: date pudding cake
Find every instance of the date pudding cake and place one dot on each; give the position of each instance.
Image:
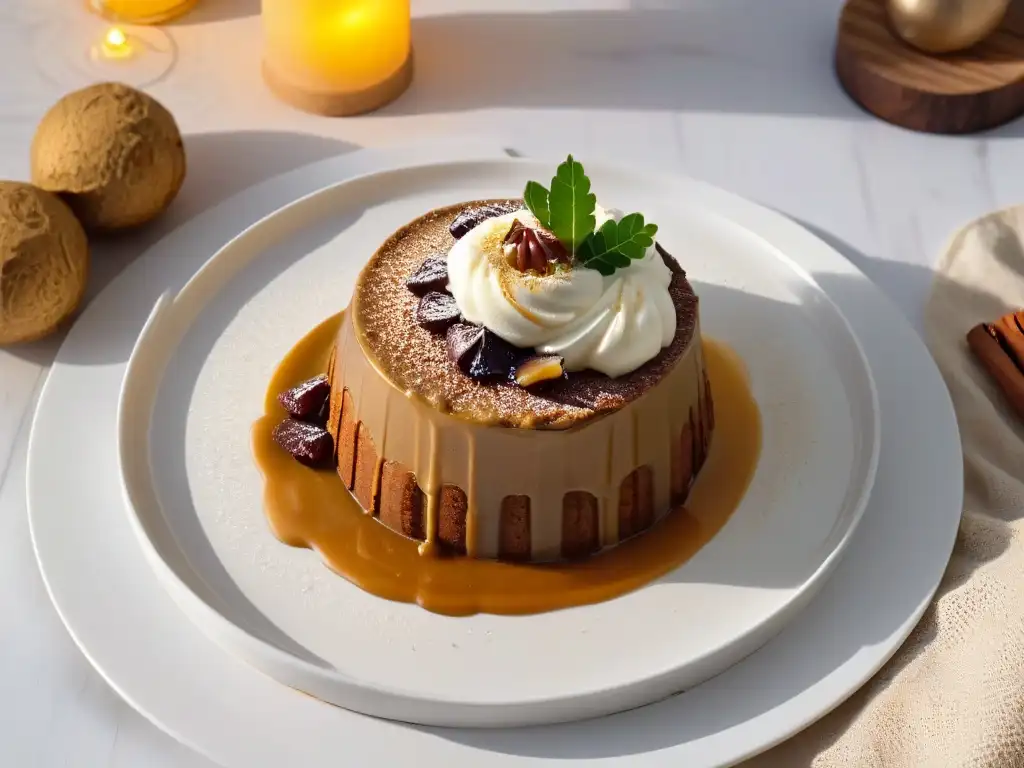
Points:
(516, 379)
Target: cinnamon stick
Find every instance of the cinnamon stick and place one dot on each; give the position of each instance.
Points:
(999, 347)
(1009, 331)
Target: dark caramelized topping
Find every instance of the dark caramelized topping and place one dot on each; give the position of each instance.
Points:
(307, 401)
(437, 312)
(470, 217)
(481, 354)
(432, 275)
(309, 444)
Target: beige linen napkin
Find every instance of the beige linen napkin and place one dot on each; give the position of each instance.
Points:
(953, 696)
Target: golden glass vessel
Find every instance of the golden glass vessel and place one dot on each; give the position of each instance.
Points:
(141, 11)
(945, 26)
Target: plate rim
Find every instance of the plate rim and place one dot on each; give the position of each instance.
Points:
(370, 698)
(828, 689)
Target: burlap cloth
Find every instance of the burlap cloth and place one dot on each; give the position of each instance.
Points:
(954, 693)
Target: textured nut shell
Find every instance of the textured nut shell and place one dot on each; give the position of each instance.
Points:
(44, 262)
(113, 153)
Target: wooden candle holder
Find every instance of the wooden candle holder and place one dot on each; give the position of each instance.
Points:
(336, 103)
(963, 92)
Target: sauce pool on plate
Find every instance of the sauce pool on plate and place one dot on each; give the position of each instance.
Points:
(313, 508)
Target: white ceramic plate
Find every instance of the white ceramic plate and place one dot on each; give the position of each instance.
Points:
(126, 625)
(197, 379)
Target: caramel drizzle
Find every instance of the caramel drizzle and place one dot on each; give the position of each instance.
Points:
(433, 494)
(378, 470)
(471, 508)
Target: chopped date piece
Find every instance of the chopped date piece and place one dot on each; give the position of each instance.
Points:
(539, 369)
(437, 312)
(307, 401)
(432, 275)
(309, 444)
(470, 217)
(461, 342)
(481, 354)
(495, 359)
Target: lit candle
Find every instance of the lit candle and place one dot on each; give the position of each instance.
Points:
(141, 11)
(337, 57)
(116, 44)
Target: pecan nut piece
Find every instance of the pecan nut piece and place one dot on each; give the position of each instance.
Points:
(536, 250)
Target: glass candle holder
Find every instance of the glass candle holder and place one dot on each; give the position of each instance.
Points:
(84, 48)
(337, 57)
(141, 11)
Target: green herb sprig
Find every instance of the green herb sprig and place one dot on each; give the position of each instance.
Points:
(567, 210)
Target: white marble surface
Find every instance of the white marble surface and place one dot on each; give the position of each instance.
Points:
(738, 92)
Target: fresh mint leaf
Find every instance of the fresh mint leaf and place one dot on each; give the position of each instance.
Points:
(617, 243)
(536, 199)
(571, 205)
(567, 210)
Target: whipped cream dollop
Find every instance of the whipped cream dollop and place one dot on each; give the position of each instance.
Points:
(610, 324)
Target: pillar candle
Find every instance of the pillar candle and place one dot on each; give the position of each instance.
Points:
(337, 56)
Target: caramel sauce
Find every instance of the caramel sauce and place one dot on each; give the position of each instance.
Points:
(313, 508)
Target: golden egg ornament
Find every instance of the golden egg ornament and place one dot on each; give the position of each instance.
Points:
(44, 262)
(113, 153)
(945, 26)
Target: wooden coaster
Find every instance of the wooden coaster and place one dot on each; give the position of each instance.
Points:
(962, 92)
(340, 104)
